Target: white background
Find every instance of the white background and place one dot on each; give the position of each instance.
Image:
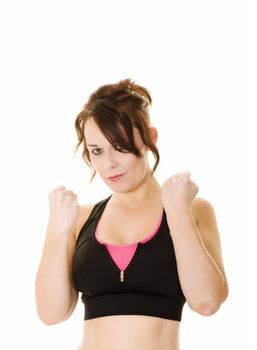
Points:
(192, 56)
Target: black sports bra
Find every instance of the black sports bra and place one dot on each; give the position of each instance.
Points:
(151, 286)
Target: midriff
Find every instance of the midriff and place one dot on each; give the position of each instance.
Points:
(130, 332)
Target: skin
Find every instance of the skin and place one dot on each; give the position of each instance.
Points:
(193, 230)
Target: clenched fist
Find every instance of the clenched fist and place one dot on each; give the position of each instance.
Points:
(178, 191)
(63, 209)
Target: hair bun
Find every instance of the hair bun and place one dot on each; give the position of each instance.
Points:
(137, 90)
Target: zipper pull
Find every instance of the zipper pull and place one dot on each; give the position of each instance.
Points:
(122, 276)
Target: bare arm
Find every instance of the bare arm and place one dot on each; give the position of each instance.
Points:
(198, 254)
(55, 294)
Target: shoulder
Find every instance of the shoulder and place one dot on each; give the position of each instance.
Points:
(84, 212)
(202, 209)
(205, 219)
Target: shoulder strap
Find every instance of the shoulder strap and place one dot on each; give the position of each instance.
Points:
(97, 208)
(95, 213)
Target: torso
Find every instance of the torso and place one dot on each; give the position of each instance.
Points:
(127, 332)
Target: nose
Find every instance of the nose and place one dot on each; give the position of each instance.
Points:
(110, 160)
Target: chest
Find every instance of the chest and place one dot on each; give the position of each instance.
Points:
(150, 283)
(125, 226)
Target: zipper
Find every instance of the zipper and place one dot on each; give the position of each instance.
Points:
(122, 276)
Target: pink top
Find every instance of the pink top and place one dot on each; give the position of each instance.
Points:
(123, 253)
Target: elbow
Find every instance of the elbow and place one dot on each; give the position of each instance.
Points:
(51, 317)
(48, 319)
(46, 313)
(208, 307)
(205, 308)
(48, 322)
(50, 313)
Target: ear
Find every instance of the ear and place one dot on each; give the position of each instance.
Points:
(154, 134)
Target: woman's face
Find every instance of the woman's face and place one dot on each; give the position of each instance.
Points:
(121, 172)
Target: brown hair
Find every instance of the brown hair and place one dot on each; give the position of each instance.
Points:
(116, 109)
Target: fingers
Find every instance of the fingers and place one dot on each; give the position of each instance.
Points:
(184, 176)
(69, 192)
(183, 173)
(59, 188)
(62, 189)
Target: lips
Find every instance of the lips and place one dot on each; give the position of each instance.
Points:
(115, 177)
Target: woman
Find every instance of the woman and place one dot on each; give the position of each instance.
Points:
(138, 255)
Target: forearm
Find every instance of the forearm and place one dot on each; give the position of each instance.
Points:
(201, 279)
(53, 288)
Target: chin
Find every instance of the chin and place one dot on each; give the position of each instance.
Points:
(118, 188)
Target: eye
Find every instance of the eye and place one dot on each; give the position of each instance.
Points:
(96, 151)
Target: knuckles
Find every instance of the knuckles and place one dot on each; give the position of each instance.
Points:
(178, 178)
(60, 192)
(182, 177)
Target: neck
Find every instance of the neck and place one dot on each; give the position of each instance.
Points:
(148, 190)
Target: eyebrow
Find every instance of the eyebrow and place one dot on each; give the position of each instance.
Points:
(92, 145)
